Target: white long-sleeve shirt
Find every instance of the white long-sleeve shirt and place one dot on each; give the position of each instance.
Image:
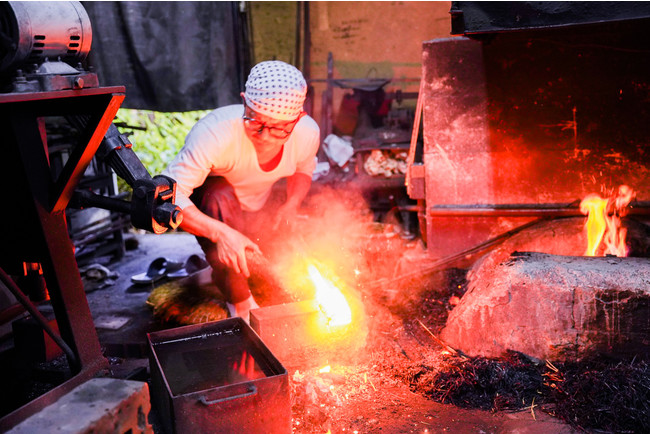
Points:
(218, 146)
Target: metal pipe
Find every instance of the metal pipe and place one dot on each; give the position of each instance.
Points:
(329, 96)
(306, 57)
(492, 211)
(544, 212)
(296, 62)
(88, 199)
(38, 316)
(465, 255)
(524, 210)
(410, 208)
(364, 80)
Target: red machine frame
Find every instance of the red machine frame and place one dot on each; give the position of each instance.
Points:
(35, 225)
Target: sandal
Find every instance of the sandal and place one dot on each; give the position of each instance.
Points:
(159, 268)
(193, 264)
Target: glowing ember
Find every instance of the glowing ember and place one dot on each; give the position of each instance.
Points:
(603, 225)
(330, 299)
(325, 369)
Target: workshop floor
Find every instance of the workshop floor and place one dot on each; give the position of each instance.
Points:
(121, 315)
(123, 318)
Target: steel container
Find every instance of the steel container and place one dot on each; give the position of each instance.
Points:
(217, 377)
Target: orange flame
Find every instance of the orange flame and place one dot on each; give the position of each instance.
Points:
(594, 206)
(330, 299)
(603, 224)
(244, 370)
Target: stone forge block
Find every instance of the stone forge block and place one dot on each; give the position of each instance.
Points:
(553, 307)
(98, 405)
(299, 336)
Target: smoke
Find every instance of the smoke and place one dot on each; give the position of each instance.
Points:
(328, 233)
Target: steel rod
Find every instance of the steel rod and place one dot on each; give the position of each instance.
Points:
(365, 80)
(524, 210)
(437, 265)
(38, 316)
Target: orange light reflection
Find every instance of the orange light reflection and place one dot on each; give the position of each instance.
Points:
(330, 299)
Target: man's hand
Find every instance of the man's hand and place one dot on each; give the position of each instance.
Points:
(231, 244)
(231, 249)
(285, 217)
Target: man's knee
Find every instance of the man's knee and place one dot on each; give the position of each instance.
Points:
(216, 198)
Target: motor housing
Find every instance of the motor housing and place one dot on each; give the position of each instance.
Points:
(33, 32)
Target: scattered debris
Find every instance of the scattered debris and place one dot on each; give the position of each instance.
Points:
(511, 383)
(588, 395)
(97, 276)
(386, 163)
(601, 395)
(111, 322)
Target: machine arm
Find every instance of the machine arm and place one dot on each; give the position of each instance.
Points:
(152, 205)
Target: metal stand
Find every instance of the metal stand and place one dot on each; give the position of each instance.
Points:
(35, 228)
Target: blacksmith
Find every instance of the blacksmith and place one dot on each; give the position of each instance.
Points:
(227, 168)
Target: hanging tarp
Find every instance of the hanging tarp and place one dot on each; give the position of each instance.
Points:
(170, 56)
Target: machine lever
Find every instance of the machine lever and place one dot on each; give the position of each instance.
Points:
(152, 205)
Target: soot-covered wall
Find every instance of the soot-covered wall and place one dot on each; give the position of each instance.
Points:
(533, 117)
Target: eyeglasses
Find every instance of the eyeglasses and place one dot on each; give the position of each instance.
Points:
(278, 133)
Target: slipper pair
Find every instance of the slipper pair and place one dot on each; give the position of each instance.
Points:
(164, 267)
(193, 264)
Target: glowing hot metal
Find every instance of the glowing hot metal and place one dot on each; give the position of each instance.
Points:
(330, 299)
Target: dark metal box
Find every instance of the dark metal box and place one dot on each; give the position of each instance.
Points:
(217, 377)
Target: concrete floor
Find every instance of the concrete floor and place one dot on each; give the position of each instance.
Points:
(124, 302)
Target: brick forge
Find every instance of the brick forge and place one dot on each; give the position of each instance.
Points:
(298, 334)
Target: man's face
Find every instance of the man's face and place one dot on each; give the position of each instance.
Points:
(265, 132)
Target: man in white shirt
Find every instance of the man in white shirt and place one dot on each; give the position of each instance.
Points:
(229, 163)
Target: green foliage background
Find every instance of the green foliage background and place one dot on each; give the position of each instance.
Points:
(156, 136)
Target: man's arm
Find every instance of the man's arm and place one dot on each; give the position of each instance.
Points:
(298, 186)
(231, 244)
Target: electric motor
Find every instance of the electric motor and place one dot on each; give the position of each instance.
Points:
(33, 32)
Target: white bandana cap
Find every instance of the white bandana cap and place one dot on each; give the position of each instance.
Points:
(276, 89)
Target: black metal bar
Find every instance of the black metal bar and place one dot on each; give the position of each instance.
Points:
(465, 255)
(72, 173)
(363, 80)
(37, 315)
(88, 199)
(524, 210)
